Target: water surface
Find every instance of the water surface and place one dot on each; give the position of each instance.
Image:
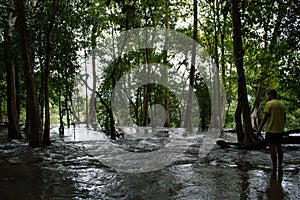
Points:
(68, 169)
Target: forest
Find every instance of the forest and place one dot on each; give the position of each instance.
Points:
(47, 47)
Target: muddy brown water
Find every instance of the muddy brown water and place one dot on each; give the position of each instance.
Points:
(68, 170)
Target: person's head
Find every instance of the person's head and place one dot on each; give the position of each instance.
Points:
(272, 94)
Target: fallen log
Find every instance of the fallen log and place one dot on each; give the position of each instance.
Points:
(250, 146)
(257, 145)
(291, 140)
(286, 133)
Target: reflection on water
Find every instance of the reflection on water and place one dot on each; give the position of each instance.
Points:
(275, 191)
(66, 170)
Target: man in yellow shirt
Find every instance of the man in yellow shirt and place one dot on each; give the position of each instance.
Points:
(274, 119)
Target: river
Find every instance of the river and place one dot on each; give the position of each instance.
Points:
(72, 168)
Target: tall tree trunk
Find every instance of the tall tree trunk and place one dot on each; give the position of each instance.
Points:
(34, 123)
(68, 97)
(165, 56)
(147, 70)
(137, 103)
(111, 117)
(41, 86)
(46, 136)
(242, 114)
(204, 111)
(67, 107)
(92, 109)
(216, 52)
(18, 89)
(86, 92)
(145, 104)
(61, 123)
(217, 32)
(13, 119)
(188, 113)
(225, 11)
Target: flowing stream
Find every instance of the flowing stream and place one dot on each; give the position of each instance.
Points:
(73, 168)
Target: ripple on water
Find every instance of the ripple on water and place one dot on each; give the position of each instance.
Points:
(66, 170)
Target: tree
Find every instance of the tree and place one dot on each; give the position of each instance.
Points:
(242, 114)
(215, 37)
(263, 48)
(46, 135)
(34, 123)
(92, 109)
(188, 114)
(165, 57)
(13, 119)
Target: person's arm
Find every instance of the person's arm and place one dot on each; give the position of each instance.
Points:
(264, 121)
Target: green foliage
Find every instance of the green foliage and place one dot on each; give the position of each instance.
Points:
(270, 36)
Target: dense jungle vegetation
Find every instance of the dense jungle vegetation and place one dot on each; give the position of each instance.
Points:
(45, 47)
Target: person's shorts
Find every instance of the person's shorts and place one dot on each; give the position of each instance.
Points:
(273, 138)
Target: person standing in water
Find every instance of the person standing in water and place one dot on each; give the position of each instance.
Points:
(274, 118)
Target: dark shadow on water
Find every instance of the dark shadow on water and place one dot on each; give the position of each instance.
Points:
(275, 190)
